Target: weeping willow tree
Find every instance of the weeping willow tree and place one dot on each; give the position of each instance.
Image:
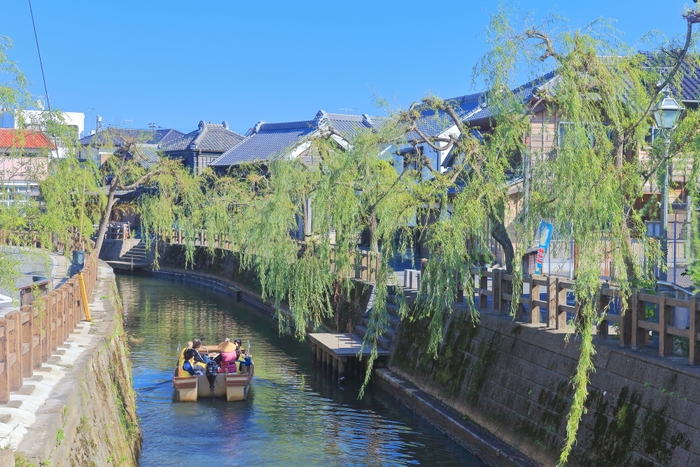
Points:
(590, 186)
(129, 166)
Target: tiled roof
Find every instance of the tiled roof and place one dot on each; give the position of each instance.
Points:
(166, 135)
(25, 139)
(524, 93)
(118, 136)
(688, 88)
(350, 125)
(265, 140)
(148, 155)
(689, 77)
(208, 137)
(432, 123)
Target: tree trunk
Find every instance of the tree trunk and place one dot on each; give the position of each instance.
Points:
(105, 218)
(500, 234)
(373, 243)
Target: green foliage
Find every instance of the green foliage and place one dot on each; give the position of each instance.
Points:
(21, 461)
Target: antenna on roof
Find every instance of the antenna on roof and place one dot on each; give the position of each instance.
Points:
(348, 110)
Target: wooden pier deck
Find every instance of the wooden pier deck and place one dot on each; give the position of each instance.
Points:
(335, 351)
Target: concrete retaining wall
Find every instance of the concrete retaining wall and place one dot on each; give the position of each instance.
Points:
(514, 380)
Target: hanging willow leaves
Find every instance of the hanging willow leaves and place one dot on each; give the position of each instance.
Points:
(590, 185)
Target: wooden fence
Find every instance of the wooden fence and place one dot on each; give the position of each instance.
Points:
(118, 231)
(366, 263)
(30, 335)
(548, 302)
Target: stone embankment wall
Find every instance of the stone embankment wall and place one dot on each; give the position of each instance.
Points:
(515, 380)
(90, 417)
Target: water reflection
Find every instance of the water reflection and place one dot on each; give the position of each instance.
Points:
(293, 415)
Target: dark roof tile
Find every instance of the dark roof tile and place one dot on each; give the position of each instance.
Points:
(266, 140)
(209, 137)
(118, 136)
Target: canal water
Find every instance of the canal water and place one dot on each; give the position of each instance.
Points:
(294, 415)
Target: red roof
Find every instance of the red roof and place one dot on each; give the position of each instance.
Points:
(26, 139)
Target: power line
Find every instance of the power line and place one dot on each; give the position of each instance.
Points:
(41, 63)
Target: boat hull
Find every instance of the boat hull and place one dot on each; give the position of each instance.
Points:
(232, 386)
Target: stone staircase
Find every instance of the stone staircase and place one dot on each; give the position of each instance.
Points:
(390, 333)
(135, 258)
(137, 253)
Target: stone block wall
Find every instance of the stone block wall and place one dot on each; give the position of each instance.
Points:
(514, 380)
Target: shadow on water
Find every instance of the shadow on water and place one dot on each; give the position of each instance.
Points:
(294, 415)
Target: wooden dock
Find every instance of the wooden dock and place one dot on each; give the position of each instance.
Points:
(337, 353)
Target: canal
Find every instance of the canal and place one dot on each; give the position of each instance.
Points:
(294, 415)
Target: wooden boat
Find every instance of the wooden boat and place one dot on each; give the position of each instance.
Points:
(232, 386)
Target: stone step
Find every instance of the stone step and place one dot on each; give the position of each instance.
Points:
(27, 390)
(132, 254)
(15, 404)
(382, 342)
(409, 295)
(5, 418)
(393, 309)
(390, 332)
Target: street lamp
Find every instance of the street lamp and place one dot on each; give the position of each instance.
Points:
(666, 114)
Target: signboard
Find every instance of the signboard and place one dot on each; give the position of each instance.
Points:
(545, 235)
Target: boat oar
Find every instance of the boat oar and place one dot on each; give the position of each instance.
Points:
(151, 388)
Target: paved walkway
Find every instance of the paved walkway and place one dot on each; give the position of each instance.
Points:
(33, 264)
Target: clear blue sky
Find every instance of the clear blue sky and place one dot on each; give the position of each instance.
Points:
(175, 63)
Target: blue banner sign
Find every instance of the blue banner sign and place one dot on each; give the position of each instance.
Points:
(545, 235)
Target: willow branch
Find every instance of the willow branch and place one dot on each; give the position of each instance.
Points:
(550, 51)
(144, 179)
(429, 141)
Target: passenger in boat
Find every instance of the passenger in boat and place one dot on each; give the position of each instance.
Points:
(245, 362)
(187, 346)
(198, 357)
(190, 366)
(227, 357)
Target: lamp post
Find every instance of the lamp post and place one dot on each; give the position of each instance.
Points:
(666, 114)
